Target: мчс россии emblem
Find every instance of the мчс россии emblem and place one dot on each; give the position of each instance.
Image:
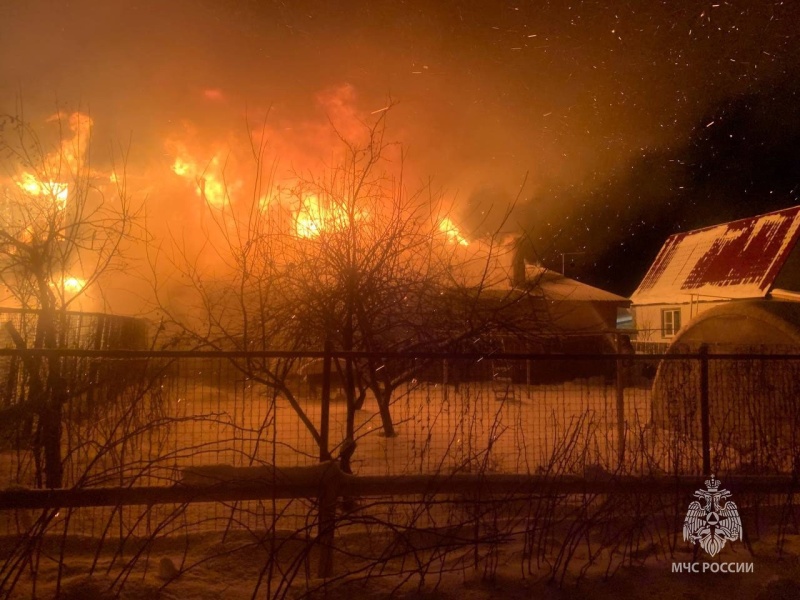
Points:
(714, 524)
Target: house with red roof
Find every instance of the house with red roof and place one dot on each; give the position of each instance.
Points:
(756, 258)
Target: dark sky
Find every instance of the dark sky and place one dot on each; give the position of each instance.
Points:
(630, 119)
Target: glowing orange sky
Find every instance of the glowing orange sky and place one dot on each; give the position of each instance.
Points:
(486, 92)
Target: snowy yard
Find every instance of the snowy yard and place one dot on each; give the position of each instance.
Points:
(439, 428)
(231, 567)
(383, 544)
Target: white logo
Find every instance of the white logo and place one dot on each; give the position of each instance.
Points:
(713, 524)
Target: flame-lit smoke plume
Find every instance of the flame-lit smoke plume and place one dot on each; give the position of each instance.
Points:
(485, 94)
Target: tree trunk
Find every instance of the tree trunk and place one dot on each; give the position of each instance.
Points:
(350, 426)
(383, 397)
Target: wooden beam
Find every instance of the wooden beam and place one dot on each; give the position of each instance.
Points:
(359, 486)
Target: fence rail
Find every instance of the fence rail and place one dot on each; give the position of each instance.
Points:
(152, 414)
(485, 447)
(363, 486)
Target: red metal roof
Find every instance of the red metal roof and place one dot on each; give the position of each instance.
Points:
(739, 259)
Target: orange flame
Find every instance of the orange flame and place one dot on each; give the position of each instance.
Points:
(451, 232)
(53, 189)
(313, 217)
(295, 208)
(73, 285)
(208, 180)
(73, 149)
(69, 155)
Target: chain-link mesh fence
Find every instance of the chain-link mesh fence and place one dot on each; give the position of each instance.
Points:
(144, 418)
(133, 419)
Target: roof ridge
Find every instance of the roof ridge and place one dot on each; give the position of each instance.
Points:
(796, 208)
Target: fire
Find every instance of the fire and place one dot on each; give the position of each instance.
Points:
(304, 209)
(208, 180)
(451, 232)
(73, 149)
(62, 162)
(313, 217)
(69, 285)
(73, 285)
(182, 168)
(32, 186)
(310, 218)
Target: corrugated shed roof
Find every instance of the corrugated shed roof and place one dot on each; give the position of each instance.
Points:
(739, 259)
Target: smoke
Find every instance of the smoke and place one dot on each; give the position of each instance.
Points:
(741, 158)
(472, 113)
(589, 104)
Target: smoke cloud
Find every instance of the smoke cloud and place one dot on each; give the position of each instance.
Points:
(604, 112)
(742, 158)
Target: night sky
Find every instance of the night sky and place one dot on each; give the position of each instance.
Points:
(631, 120)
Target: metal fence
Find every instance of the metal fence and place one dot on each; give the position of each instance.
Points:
(131, 418)
(535, 429)
(78, 329)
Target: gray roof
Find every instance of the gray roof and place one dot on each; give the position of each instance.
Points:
(557, 287)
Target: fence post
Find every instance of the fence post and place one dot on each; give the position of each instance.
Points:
(327, 527)
(528, 377)
(327, 497)
(705, 417)
(325, 409)
(445, 377)
(620, 404)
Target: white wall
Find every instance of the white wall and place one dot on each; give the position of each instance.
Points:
(647, 318)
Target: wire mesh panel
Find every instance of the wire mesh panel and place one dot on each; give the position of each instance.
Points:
(178, 420)
(754, 408)
(142, 420)
(149, 419)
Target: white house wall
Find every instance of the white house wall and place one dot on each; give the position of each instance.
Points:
(647, 318)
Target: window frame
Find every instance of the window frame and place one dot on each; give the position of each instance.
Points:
(669, 324)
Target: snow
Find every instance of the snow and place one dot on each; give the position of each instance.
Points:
(213, 569)
(555, 286)
(732, 260)
(219, 550)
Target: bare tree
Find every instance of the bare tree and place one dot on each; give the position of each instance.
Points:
(380, 268)
(347, 258)
(62, 230)
(364, 257)
(231, 288)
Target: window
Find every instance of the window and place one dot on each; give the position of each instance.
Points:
(670, 321)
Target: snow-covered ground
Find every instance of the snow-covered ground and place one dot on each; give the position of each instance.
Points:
(209, 568)
(438, 427)
(220, 549)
